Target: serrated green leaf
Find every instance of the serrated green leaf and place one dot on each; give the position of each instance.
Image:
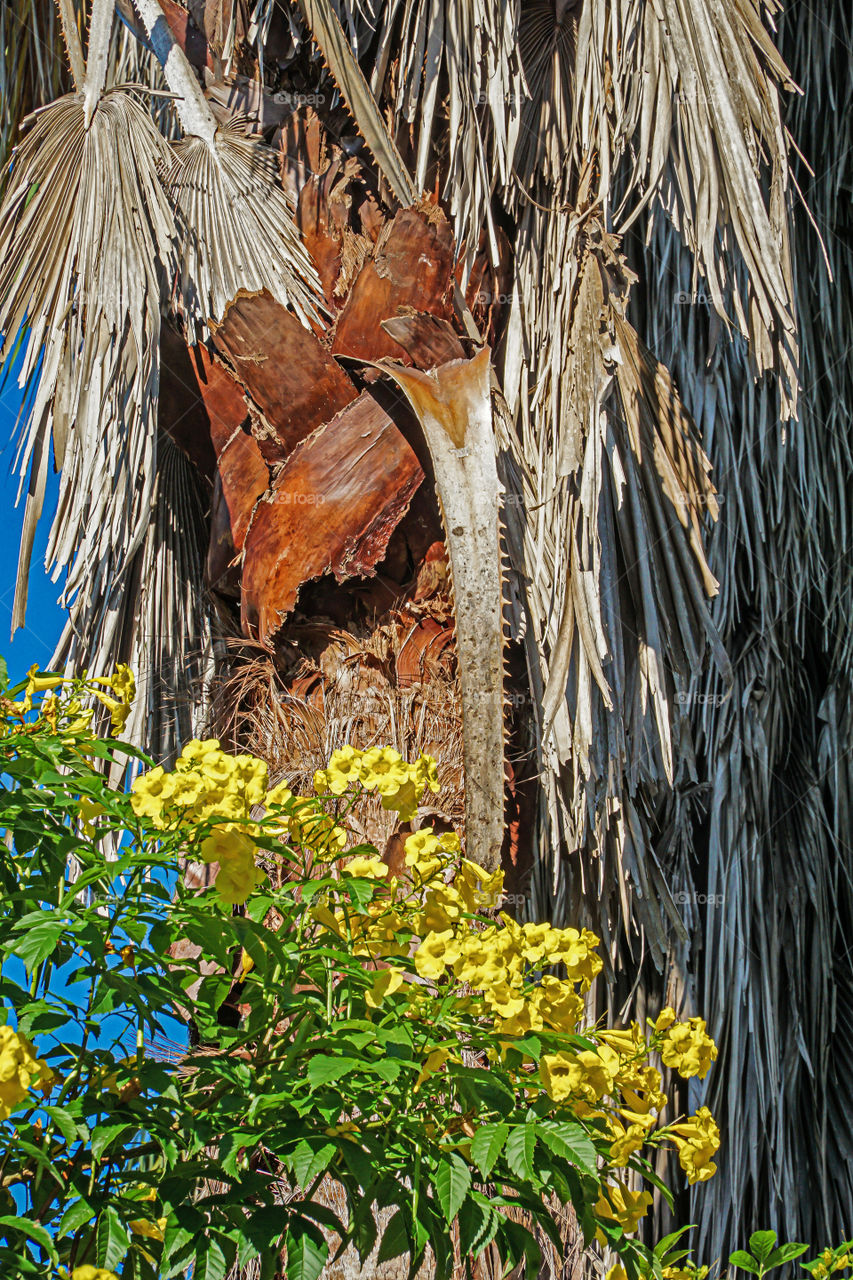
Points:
(452, 1182)
(210, 1262)
(111, 1239)
(105, 1134)
(74, 1217)
(65, 1123)
(487, 1144)
(519, 1149)
(785, 1253)
(324, 1070)
(310, 1159)
(306, 1253)
(571, 1141)
(31, 1231)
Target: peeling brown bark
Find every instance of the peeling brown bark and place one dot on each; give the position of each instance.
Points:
(332, 510)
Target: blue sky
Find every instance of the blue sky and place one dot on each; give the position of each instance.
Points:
(35, 642)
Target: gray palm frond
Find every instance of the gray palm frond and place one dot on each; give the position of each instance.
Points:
(86, 242)
(237, 229)
(236, 225)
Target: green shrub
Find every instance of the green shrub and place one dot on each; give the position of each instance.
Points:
(401, 1036)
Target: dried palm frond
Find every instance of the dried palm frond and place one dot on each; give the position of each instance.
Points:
(32, 67)
(86, 242)
(237, 227)
(159, 622)
(766, 834)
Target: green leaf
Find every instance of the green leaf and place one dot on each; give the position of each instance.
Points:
(519, 1152)
(571, 1141)
(112, 1239)
(473, 1222)
(487, 1144)
(745, 1261)
(306, 1253)
(65, 1123)
(452, 1181)
(310, 1159)
(32, 1231)
(323, 1070)
(762, 1243)
(38, 942)
(105, 1134)
(74, 1217)
(210, 1263)
(785, 1253)
(395, 1239)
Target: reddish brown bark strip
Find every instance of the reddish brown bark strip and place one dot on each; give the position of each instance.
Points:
(332, 509)
(241, 479)
(411, 271)
(290, 376)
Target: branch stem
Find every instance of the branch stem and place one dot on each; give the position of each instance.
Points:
(191, 105)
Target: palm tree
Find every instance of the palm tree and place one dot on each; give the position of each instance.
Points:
(545, 290)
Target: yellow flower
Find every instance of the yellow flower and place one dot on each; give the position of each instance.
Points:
(38, 683)
(150, 792)
(197, 752)
(479, 889)
(235, 880)
(403, 798)
(504, 1000)
(558, 1003)
(585, 1074)
(626, 1142)
(89, 810)
(576, 950)
(665, 1019)
(449, 842)
(383, 769)
(442, 908)
(153, 1230)
(437, 952)
(421, 848)
(628, 1044)
(433, 1063)
(617, 1203)
(224, 846)
(92, 1273)
(697, 1140)
(343, 769)
(424, 773)
(20, 1071)
(368, 868)
(386, 982)
(688, 1048)
(616, 1272)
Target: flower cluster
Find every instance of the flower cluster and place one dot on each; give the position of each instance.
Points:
(830, 1262)
(685, 1046)
(206, 783)
(383, 770)
(61, 706)
(466, 949)
(20, 1071)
